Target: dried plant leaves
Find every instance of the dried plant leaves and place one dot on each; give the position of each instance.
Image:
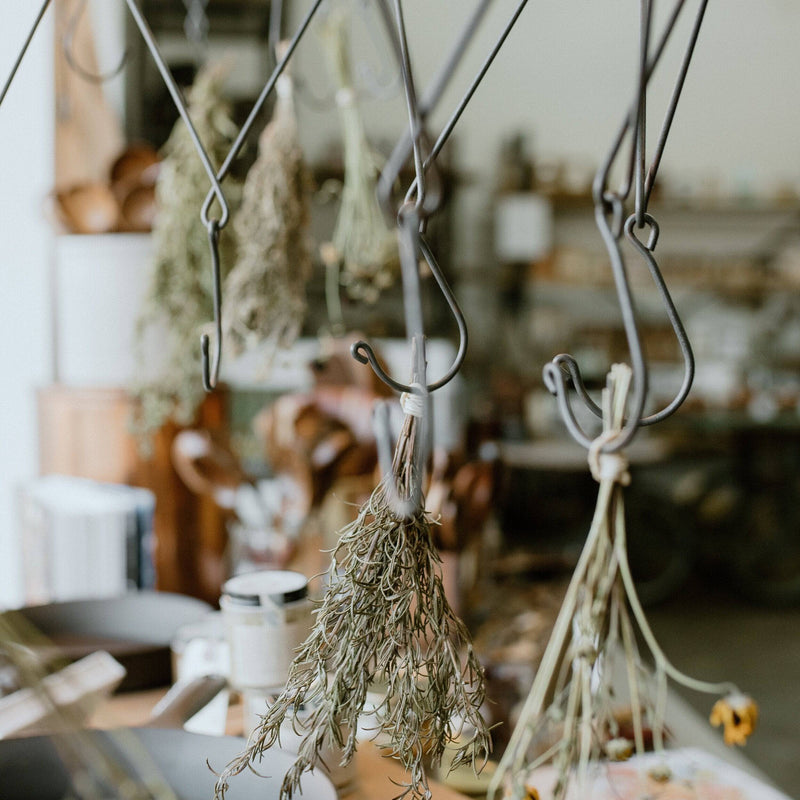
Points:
(384, 618)
(178, 303)
(265, 293)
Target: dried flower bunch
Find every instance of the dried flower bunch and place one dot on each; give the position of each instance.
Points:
(363, 247)
(178, 304)
(384, 617)
(569, 719)
(265, 292)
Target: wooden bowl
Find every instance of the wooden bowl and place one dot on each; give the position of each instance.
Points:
(90, 208)
(139, 209)
(137, 164)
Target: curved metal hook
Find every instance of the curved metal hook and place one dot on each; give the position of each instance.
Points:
(69, 56)
(211, 373)
(646, 251)
(554, 374)
(364, 354)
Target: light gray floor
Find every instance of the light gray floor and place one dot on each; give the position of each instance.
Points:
(709, 633)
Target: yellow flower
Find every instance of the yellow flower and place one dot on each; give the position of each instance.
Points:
(738, 714)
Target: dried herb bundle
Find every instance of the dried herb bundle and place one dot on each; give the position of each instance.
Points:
(178, 304)
(384, 617)
(569, 719)
(363, 245)
(265, 293)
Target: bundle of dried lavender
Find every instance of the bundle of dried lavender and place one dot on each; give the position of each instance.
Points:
(569, 719)
(265, 293)
(384, 617)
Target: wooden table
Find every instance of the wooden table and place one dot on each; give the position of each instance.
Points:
(375, 773)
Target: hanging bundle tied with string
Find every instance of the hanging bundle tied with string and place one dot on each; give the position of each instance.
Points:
(571, 720)
(266, 289)
(384, 619)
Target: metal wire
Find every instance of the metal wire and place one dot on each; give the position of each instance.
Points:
(214, 226)
(24, 49)
(361, 350)
(612, 224)
(238, 143)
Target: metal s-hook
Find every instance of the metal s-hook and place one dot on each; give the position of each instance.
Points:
(211, 372)
(67, 43)
(364, 353)
(612, 223)
(214, 226)
(554, 374)
(646, 251)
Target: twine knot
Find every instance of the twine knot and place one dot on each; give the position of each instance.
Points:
(413, 404)
(608, 466)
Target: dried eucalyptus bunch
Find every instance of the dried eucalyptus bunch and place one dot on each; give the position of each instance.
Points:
(571, 718)
(384, 617)
(363, 247)
(265, 292)
(178, 303)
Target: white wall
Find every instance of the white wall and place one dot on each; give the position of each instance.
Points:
(26, 173)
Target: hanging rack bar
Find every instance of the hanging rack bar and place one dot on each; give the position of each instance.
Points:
(600, 185)
(640, 139)
(414, 118)
(25, 45)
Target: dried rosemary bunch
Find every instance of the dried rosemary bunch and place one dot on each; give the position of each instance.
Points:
(178, 303)
(363, 246)
(569, 720)
(384, 617)
(265, 293)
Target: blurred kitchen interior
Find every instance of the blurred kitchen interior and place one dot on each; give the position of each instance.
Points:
(712, 509)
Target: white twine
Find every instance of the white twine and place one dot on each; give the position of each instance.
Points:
(608, 466)
(345, 97)
(413, 404)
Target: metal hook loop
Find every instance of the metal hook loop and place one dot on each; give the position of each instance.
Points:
(211, 372)
(646, 251)
(67, 42)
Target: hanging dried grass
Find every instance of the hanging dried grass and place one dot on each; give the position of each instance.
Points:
(570, 718)
(363, 247)
(384, 618)
(265, 293)
(178, 304)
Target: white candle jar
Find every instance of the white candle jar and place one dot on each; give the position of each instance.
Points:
(267, 617)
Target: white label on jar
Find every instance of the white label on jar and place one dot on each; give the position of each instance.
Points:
(262, 648)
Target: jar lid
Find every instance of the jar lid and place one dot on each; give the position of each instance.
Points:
(276, 585)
